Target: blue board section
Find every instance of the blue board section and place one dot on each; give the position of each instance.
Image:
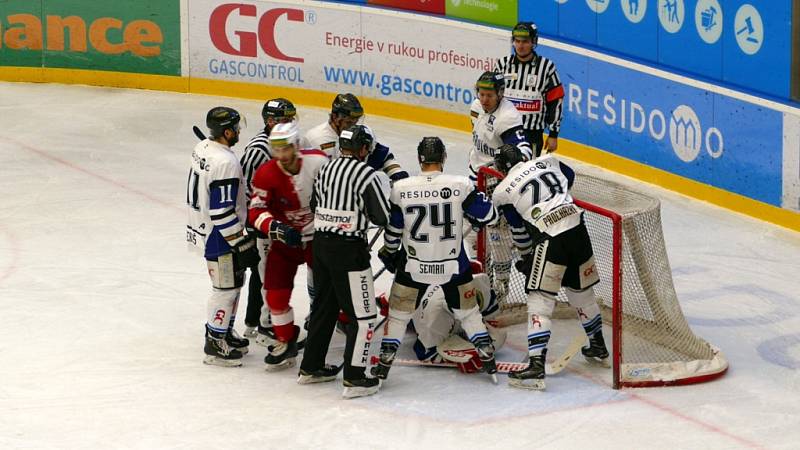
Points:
(730, 41)
(703, 136)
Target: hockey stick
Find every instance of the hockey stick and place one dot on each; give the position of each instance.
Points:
(198, 133)
(561, 362)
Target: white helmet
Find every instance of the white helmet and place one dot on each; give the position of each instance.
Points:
(284, 134)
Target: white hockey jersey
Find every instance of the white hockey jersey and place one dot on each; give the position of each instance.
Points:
(538, 190)
(322, 137)
(492, 130)
(215, 197)
(428, 212)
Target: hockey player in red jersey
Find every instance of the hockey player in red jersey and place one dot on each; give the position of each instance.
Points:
(282, 191)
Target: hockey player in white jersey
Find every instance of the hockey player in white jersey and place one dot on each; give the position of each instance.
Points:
(551, 235)
(215, 197)
(428, 212)
(495, 121)
(346, 111)
(440, 336)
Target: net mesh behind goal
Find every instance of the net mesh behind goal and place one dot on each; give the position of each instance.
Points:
(652, 343)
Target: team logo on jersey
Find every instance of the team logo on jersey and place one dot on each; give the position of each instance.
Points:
(327, 145)
(446, 193)
(536, 213)
(412, 251)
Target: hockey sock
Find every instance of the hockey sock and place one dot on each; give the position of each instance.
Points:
(472, 323)
(283, 325)
(540, 310)
(588, 311)
(220, 308)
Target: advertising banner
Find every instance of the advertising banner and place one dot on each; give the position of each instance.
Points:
(141, 36)
(381, 54)
(427, 6)
(495, 12)
(733, 41)
(21, 33)
(700, 135)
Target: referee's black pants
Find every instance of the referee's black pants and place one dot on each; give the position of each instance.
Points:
(342, 280)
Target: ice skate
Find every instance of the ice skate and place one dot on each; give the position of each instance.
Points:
(237, 342)
(532, 377)
(281, 355)
(486, 355)
(327, 373)
(219, 353)
(596, 352)
(251, 332)
(388, 353)
(361, 387)
(265, 336)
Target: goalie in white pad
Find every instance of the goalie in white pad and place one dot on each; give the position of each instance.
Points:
(534, 197)
(428, 212)
(440, 336)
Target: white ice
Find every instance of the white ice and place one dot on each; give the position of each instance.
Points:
(103, 311)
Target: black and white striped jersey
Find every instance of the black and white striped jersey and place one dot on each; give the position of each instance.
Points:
(257, 153)
(348, 195)
(535, 89)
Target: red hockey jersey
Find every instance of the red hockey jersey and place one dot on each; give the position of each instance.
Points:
(279, 195)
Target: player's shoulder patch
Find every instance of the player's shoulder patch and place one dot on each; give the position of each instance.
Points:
(327, 145)
(473, 113)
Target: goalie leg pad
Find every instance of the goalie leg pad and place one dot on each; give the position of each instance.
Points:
(433, 322)
(220, 308)
(403, 298)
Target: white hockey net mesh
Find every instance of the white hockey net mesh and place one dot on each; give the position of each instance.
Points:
(656, 345)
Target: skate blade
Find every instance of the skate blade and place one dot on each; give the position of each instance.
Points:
(350, 392)
(599, 362)
(243, 350)
(308, 379)
(217, 361)
(285, 364)
(494, 377)
(531, 385)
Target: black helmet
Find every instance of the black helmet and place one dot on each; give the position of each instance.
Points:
(347, 105)
(525, 30)
(506, 157)
(491, 80)
(278, 108)
(355, 137)
(431, 150)
(222, 118)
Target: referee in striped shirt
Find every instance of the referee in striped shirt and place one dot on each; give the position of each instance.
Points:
(256, 154)
(533, 86)
(348, 196)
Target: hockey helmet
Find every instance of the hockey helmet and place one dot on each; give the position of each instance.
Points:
(347, 105)
(284, 134)
(222, 118)
(278, 109)
(525, 30)
(506, 157)
(491, 80)
(355, 137)
(431, 150)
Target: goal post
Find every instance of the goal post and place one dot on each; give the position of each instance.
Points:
(651, 341)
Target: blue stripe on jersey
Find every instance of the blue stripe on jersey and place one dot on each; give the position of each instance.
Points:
(223, 193)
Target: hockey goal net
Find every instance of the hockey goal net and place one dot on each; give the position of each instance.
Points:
(651, 342)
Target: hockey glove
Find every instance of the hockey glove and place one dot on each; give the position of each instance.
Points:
(524, 265)
(388, 258)
(245, 253)
(284, 233)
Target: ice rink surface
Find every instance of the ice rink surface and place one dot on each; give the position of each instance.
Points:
(104, 310)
